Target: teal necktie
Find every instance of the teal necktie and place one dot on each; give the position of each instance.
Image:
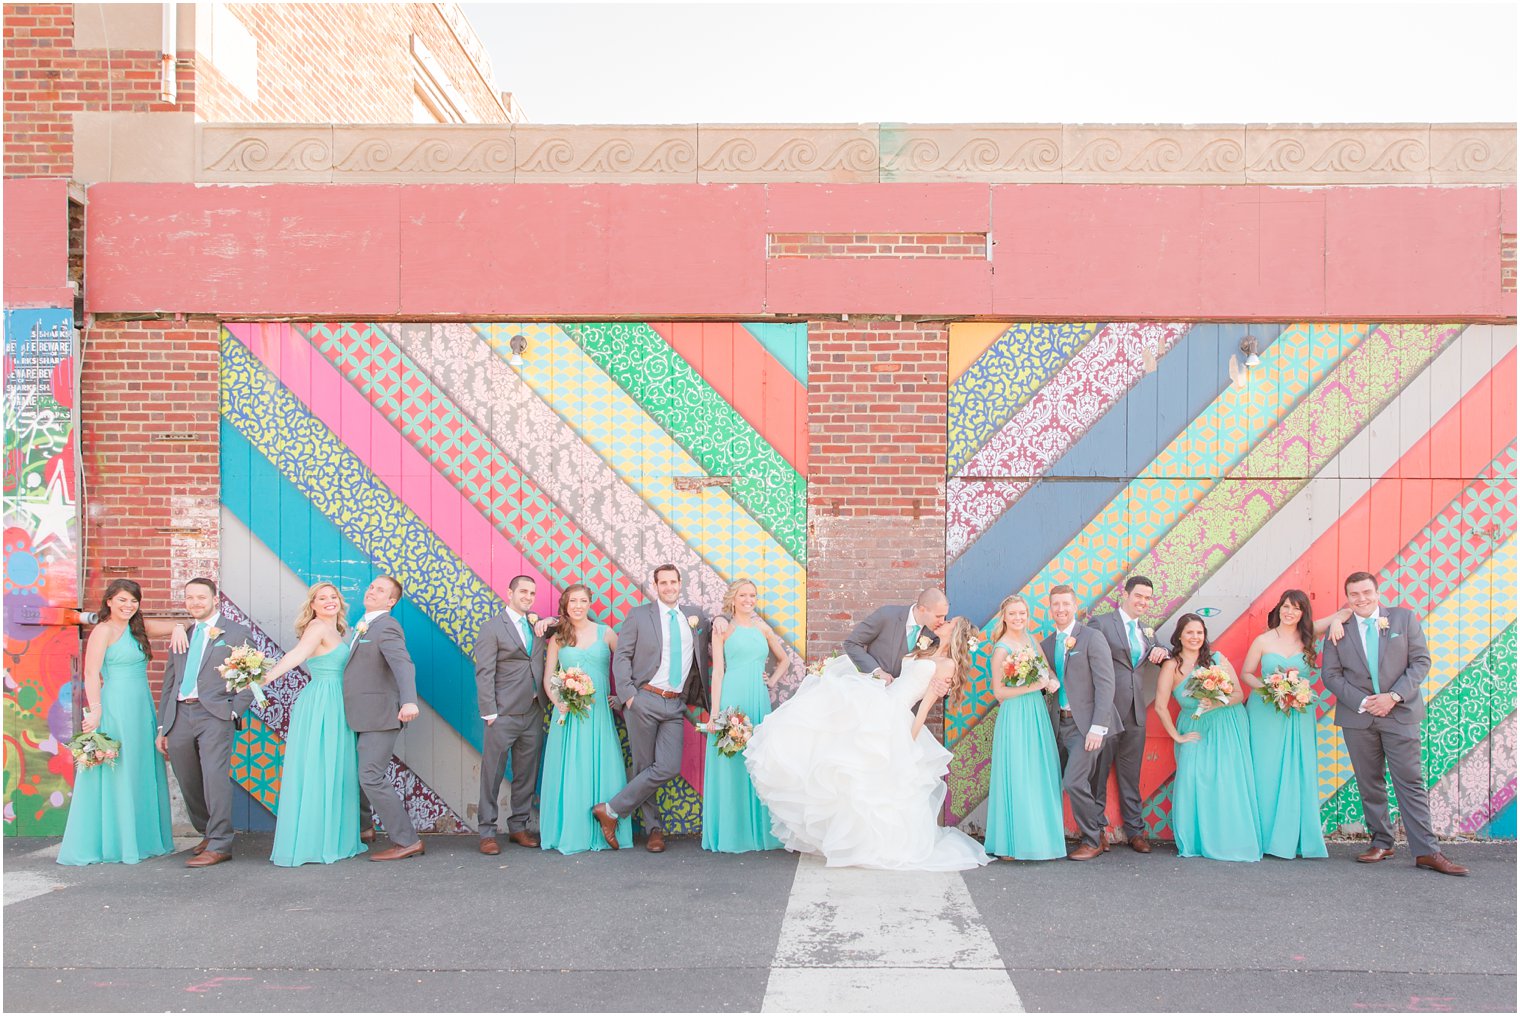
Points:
(1134, 643)
(673, 676)
(913, 634)
(1061, 671)
(527, 633)
(193, 657)
(1370, 640)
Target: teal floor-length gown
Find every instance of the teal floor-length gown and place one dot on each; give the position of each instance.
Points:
(1024, 800)
(1214, 796)
(317, 814)
(121, 812)
(734, 819)
(1285, 757)
(583, 761)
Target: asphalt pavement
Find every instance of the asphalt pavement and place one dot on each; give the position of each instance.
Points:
(692, 931)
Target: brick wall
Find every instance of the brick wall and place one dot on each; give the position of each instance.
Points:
(1507, 262)
(149, 423)
(47, 81)
(347, 63)
(950, 246)
(876, 469)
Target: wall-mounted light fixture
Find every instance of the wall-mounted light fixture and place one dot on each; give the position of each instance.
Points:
(1248, 346)
(519, 346)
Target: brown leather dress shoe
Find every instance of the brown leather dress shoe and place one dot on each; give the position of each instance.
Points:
(1085, 852)
(1439, 862)
(656, 842)
(367, 836)
(1105, 844)
(1375, 855)
(200, 848)
(206, 858)
(489, 846)
(397, 853)
(1140, 845)
(607, 822)
(523, 838)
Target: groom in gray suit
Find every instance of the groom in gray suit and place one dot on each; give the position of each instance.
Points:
(661, 666)
(1083, 713)
(1131, 647)
(879, 643)
(379, 695)
(197, 716)
(509, 680)
(1375, 674)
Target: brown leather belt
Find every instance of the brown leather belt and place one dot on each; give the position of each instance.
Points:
(187, 701)
(662, 694)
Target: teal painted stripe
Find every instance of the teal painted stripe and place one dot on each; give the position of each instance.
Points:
(667, 388)
(312, 547)
(787, 343)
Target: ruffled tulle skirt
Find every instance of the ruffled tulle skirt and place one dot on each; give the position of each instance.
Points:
(844, 777)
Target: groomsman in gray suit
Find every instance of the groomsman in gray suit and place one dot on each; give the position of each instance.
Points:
(1083, 713)
(379, 695)
(1375, 674)
(879, 643)
(661, 666)
(197, 718)
(509, 679)
(1131, 646)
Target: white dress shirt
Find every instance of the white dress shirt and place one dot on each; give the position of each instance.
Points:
(1061, 637)
(688, 650)
(206, 640)
(1361, 635)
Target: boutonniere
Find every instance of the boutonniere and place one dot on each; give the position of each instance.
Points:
(972, 643)
(214, 633)
(693, 621)
(922, 643)
(1071, 642)
(1150, 633)
(361, 627)
(532, 617)
(1382, 624)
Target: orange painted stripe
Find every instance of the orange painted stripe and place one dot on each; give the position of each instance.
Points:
(748, 378)
(969, 340)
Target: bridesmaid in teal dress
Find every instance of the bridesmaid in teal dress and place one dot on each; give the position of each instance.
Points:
(317, 814)
(1285, 746)
(120, 812)
(734, 820)
(1024, 819)
(1214, 793)
(583, 760)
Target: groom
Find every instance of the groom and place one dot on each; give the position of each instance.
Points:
(879, 643)
(1375, 674)
(664, 651)
(1083, 714)
(197, 717)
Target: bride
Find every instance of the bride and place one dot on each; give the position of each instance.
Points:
(849, 772)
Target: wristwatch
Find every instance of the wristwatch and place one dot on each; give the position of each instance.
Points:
(1397, 698)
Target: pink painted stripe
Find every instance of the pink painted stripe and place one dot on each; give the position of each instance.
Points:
(1088, 386)
(403, 470)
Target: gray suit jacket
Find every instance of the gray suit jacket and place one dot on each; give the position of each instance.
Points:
(881, 640)
(1403, 662)
(209, 686)
(378, 677)
(1089, 681)
(509, 680)
(640, 642)
(1129, 696)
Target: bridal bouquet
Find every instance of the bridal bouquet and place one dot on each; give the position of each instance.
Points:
(93, 749)
(244, 667)
(1210, 684)
(817, 667)
(732, 729)
(575, 689)
(1287, 691)
(1023, 668)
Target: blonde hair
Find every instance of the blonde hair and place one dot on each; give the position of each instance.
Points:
(308, 613)
(1000, 626)
(731, 597)
(962, 632)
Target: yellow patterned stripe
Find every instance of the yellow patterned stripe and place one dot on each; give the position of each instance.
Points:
(648, 460)
(1456, 632)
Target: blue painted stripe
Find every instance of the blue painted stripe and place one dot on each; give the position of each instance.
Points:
(786, 342)
(1095, 470)
(315, 549)
(1502, 825)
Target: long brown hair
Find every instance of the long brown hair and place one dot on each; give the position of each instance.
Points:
(564, 631)
(1205, 651)
(1305, 626)
(962, 632)
(135, 623)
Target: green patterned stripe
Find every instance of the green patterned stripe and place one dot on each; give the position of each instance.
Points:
(667, 388)
(1003, 379)
(1456, 721)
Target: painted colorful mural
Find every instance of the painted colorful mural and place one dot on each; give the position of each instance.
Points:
(1084, 453)
(41, 568)
(457, 456)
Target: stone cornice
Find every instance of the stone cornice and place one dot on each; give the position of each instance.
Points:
(1277, 154)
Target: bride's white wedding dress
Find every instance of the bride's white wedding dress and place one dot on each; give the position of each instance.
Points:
(843, 776)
